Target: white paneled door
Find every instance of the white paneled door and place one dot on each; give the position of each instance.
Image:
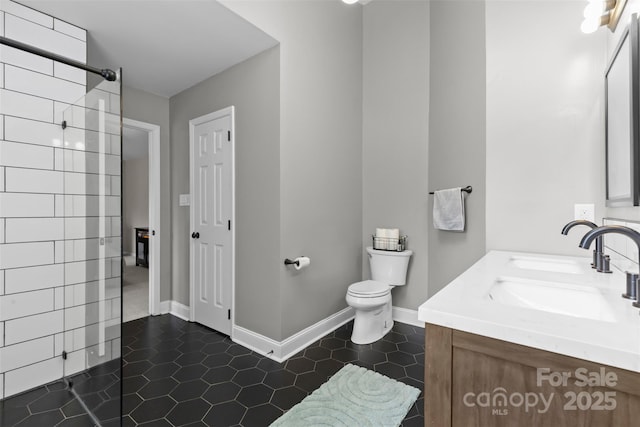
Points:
(211, 145)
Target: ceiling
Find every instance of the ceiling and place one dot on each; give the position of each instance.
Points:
(163, 46)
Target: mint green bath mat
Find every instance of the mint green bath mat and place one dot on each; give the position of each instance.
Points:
(354, 396)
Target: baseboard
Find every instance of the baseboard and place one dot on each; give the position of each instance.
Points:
(165, 307)
(282, 350)
(302, 339)
(405, 315)
(256, 342)
(175, 308)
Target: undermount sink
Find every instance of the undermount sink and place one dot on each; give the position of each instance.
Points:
(546, 264)
(553, 297)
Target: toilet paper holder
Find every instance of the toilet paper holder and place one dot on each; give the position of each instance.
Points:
(299, 263)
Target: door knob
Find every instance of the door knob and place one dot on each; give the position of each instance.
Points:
(195, 235)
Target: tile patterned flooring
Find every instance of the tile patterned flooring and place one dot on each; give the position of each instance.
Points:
(178, 373)
(55, 405)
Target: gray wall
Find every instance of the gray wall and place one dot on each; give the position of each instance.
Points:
(320, 154)
(253, 88)
(320, 159)
(395, 127)
(457, 132)
(449, 93)
(545, 147)
(149, 108)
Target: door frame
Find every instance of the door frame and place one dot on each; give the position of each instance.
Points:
(154, 209)
(228, 111)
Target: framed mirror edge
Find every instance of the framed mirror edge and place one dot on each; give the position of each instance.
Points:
(632, 35)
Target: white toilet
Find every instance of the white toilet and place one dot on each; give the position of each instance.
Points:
(372, 298)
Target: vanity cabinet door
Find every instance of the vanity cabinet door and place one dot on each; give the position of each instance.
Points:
(481, 381)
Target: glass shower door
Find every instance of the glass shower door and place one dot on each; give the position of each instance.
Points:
(90, 154)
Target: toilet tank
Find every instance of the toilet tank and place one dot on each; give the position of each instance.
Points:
(388, 266)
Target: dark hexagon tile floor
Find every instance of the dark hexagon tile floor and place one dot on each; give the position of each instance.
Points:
(54, 405)
(204, 379)
(178, 373)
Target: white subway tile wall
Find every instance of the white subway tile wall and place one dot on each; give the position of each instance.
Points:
(69, 30)
(45, 38)
(10, 7)
(26, 155)
(26, 205)
(34, 229)
(31, 376)
(16, 255)
(25, 60)
(32, 327)
(26, 353)
(23, 105)
(33, 278)
(38, 84)
(26, 304)
(55, 251)
(66, 72)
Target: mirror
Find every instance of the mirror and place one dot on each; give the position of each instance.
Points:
(622, 106)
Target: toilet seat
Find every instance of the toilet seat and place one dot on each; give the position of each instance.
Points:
(368, 289)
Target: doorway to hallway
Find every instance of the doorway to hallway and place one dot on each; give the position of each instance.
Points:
(140, 219)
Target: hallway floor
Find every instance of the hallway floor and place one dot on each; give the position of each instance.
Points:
(178, 373)
(135, 290)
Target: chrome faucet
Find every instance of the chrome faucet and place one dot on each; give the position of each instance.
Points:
(600, 263)
(632, 278)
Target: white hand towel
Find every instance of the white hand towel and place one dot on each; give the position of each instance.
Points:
(448, 209)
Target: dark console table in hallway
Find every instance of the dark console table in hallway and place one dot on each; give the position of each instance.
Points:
(142, 246)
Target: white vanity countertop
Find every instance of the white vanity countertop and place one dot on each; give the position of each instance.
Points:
(464, 304)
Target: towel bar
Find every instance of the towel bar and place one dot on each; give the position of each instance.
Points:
(468, 189)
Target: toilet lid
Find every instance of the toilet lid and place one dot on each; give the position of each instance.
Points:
(369, 288)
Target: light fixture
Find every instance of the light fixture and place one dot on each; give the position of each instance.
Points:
(350, 1)
(592, 23)
(602, 12)
(597, 8)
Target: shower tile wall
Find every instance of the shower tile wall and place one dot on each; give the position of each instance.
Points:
(48, 228)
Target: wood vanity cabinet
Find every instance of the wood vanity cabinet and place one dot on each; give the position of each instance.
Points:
(460, 366)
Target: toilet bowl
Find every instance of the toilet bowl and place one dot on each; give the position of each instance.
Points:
(371, 299)
(372, 303)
